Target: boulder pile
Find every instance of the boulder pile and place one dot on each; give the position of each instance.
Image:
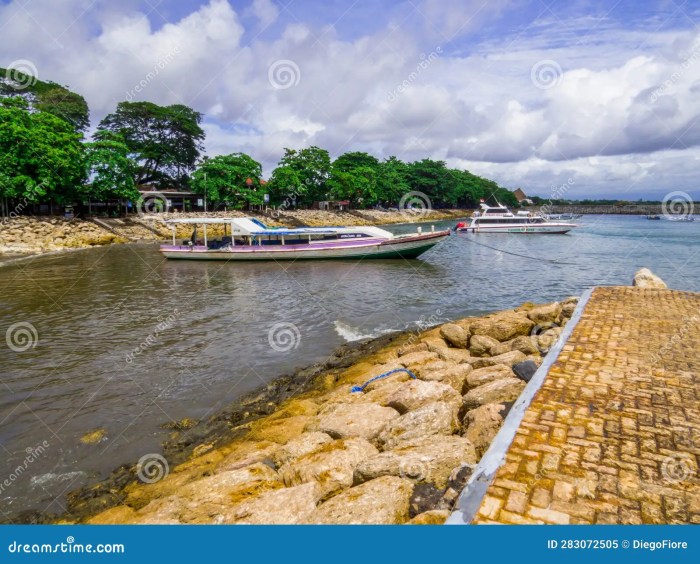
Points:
(398, 452)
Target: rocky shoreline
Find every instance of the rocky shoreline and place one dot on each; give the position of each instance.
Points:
(22, 236)
(308, 450)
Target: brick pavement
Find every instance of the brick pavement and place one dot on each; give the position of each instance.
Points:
(613, 434)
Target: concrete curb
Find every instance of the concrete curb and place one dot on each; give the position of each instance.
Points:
(469, 501)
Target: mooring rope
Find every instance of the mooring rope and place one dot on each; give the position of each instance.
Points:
(518, 254)
(368, 382)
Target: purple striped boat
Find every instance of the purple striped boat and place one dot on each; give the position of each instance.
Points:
(250, 239)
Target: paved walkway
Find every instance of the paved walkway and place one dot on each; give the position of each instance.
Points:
(613, 434)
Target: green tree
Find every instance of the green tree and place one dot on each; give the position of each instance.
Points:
(46, 97)
(165, 141)
(392, 181)
(110, 170)
(41, 155)
(233, 180)
(301, 176)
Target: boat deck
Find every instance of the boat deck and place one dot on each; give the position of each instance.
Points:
(613, 433)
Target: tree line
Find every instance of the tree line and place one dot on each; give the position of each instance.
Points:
(45, 157)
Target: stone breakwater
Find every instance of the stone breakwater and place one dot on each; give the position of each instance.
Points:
(29, 235)
(33, 235)
(398, 452)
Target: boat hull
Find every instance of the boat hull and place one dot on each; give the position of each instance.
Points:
(404, 247)
(552, 229)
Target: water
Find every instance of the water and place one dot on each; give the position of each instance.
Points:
(127, 341)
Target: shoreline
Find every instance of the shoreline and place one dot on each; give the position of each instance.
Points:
(24, 238)
(304, 440)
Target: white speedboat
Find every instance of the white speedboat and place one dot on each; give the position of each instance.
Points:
(499, 219)
(250, 239)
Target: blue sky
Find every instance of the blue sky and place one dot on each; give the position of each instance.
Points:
(600, 97)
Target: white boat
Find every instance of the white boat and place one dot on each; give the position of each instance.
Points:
(681, 218)
(250, 239)
(499, 219)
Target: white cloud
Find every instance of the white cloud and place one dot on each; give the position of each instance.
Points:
(623, 116)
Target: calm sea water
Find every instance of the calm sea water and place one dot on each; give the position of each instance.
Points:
(126, 341)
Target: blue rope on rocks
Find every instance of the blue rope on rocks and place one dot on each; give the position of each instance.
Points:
(368, 382)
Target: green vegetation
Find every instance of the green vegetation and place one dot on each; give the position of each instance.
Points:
(44, 158)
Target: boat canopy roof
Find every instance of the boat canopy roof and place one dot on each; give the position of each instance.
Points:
(252, 226)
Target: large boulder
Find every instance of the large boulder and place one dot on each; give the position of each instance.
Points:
(418, 393)
(331, 466)
(487, 374)
(429, 368)
(481, 345)
(455, 335)
(645, 278)
(507, 359)
(439, 418)
(416, 359)
(482, 424)
(383, 501)
(455, 376)
(525, 370)
(304, 444)
(524, 344)
(503, 326)
(345, 420)
(568, 306)
(547, 313)
(498, 391)
(426, 460)
(453, 355)
(277, 507)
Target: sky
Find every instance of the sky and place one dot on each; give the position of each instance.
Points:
(570, 99)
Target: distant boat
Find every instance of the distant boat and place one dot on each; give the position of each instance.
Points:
(499, 219)
(562, 216)
(681, 218)
(250, 239)
(655, 217)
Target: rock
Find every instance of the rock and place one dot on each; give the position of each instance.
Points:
(424, 460)
(568, 306)
(537, 359)
(433, 517)
(411, 348)
(93, 437)
(455, 335)
(453, 355)
(545, 313)
(439, 418)
(503, 326)
(481, 345)
(525, 370)
(426, 370)
(482, 424)
(435, 344)
(416, 359)
(488, 374)
(304, 444)
(383, 501)
(457, 482)
(425, 497)
(500, 348)
(455, 376)
(508, 359)
(645, 278)
(279, 430)
(524, 344)
(505, 389)
(418, 393)
(345, 420)
(332, 465)
(277, 507)
(548, 338)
